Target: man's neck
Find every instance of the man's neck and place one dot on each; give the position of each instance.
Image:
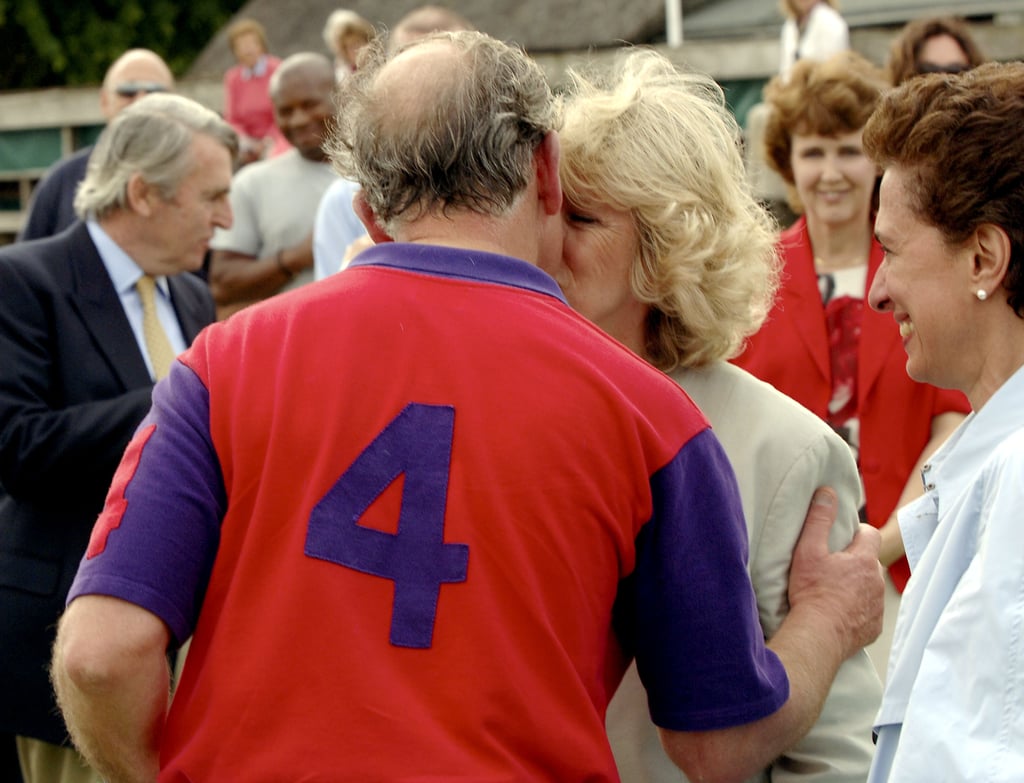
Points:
(512, 234)
(118, 227)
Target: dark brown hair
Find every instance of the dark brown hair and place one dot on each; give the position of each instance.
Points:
(958, 137)
(906, 47)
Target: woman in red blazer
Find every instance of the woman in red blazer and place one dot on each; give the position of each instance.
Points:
(821, 344)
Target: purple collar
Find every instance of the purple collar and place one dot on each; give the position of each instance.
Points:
(460, 263)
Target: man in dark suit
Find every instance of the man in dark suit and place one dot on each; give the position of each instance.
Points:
(89, 319)
(133, 75)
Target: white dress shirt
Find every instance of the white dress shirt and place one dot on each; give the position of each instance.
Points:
(953, 708)
(124, 273)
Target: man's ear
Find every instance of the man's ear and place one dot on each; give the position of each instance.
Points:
(140, 193)
(368, 219)
(549, 186)
(992, 253)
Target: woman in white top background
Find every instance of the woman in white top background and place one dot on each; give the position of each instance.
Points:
(813, 30)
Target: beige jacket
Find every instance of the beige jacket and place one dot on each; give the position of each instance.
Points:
(780, 452)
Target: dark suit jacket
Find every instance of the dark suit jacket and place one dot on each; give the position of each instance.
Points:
(52, 208)
(73, 388)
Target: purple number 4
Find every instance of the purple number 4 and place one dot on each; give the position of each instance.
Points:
(418, 444)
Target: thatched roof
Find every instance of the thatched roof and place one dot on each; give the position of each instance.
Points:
(539, 26)
(554, 26)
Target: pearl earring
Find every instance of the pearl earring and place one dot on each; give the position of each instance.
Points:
(982, 294)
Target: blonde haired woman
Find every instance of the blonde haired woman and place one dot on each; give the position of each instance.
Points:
(345, 34)
(667, 250)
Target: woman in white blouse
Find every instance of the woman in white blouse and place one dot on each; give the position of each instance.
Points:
(951, 222)
(813, 30)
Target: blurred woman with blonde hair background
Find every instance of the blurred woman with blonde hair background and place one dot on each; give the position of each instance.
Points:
(346, 33)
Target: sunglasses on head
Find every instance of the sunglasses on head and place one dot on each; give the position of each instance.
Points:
(923, 68)
(131, 89)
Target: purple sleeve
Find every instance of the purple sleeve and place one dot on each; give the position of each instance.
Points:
(155, 541)
(699, 646)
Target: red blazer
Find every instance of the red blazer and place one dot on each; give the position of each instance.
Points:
(791, 352)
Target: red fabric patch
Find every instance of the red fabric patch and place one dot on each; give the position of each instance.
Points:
(116, 504)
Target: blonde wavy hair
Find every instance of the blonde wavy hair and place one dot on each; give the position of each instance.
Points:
(660, 143)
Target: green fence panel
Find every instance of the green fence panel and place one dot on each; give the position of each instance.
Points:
(29, 149)
(87, 134)
(37, 148)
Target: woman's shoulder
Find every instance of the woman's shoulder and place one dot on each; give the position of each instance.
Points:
(780, 452)
(733, 398)
(1008, 454)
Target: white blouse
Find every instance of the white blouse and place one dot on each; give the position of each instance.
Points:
(953, 707)
(824, 34)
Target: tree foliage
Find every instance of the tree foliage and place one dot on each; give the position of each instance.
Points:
(48, 43)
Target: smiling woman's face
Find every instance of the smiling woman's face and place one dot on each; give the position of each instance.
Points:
(834, 179)
(925, 283)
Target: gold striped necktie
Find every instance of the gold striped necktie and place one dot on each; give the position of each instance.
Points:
(157, 345)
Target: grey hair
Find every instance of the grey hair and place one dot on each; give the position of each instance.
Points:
(150, 138)
(461, 141)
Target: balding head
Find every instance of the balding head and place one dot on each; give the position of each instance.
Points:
(451, 123)
(135, 73)
(420, 77)
(305, 67)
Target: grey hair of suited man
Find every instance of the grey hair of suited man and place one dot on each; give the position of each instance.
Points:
(152, 138)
